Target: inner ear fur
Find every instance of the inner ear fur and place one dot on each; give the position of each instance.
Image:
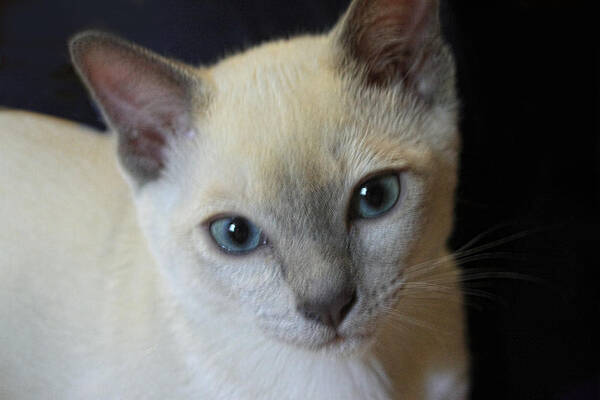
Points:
(145, 98)
(395, 42)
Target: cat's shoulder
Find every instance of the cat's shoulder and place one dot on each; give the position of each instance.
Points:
(45, 130)
(51, 166)
(59, 183)
(38, 147)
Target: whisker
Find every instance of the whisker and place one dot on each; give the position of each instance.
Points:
(426, 282)
(465, 300)
(429, 264)
(509, 238)
(499, 255)
(449, 290)
(494, 243)
(416, 272)
(395, 314)
(461, 256)
(479, 275)
(481, 235)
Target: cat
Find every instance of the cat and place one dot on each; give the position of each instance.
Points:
(273, 226)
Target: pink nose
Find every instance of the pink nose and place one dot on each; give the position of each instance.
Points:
(330, 312)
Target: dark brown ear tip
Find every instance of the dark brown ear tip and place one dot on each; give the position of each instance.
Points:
(83, 41)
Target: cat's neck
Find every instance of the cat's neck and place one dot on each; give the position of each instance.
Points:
(242, 357)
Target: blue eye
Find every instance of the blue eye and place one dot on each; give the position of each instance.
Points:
(375, 196)
(236, 234)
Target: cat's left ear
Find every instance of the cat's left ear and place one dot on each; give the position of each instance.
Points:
(391, 42)
(147, 99)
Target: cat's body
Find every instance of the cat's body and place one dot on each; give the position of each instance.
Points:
(109, 292)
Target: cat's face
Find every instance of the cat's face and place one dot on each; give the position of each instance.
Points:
(297, 192)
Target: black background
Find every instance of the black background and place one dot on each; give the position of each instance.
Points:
(528, 78)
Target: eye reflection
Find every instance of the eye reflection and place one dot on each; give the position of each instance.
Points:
(235, 234)
(375, 196)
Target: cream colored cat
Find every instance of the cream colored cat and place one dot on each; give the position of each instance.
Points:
(271, 227)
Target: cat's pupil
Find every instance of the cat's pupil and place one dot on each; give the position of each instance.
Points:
(373, 193)
(238, 230)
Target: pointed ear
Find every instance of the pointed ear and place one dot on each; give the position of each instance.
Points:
(145, 98)
(392, 41)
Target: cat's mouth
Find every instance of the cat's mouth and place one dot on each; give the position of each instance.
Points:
(338, 344)
(323, 339)
(345, 345)
(336, 340)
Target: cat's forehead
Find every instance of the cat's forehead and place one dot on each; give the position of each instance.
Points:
(291, 98)
(278, 104)
(280, 92)
(281, 116)
(275, 65)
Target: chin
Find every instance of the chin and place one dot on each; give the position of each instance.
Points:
(331, 344)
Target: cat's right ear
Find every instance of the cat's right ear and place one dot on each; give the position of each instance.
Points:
(395, 43)
(147, 99)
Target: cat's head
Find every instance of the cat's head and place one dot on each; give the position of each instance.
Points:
(292, 185)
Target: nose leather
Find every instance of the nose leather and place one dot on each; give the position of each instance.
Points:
(330, 312)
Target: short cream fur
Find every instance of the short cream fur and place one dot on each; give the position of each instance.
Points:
(111, 286)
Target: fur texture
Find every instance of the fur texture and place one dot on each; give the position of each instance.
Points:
(112, 286)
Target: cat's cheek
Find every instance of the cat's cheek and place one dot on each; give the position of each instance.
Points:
(252, 282)
(384, 248)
